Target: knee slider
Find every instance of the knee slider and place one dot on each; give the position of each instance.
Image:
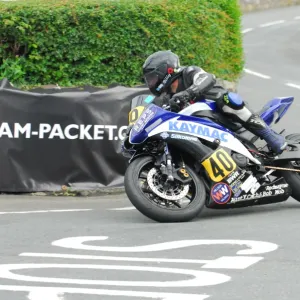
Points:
(234, 100)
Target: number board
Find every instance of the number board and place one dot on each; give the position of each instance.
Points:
(135, 114)
(219, 165)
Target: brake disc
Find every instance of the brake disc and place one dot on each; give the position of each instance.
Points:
(171, 194)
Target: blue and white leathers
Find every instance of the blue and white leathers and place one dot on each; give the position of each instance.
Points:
(155, 120)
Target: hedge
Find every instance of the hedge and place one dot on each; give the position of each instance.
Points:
(98, 42)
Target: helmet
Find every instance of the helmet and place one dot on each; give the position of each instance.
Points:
(160, 70)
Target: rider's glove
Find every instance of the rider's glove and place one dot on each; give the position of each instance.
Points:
(179, 98)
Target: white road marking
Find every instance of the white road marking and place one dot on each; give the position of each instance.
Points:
(224, 262)
(256, 247)
(297, 18)
(115, 258)
(123, 208)
(45, 295)
(232, 262)
(40, 293)
(247, 30)
(272, 23)
(257, 74)
(200, 278)
(42, 211)
(293, 85)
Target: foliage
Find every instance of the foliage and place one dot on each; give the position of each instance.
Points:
(98, 42)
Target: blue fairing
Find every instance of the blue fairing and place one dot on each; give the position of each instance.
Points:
(153, 116)
(211, 104)
(275, 109)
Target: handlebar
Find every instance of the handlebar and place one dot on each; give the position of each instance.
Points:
(167, 107)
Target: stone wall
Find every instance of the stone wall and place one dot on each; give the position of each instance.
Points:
(252, 5)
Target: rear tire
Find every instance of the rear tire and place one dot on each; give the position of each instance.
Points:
(292, 178)
(150, 208)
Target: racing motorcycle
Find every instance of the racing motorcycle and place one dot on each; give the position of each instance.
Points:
(181, 162)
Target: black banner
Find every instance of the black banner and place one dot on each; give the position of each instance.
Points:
(62, 137)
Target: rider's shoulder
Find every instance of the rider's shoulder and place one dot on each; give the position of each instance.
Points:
(191, 70)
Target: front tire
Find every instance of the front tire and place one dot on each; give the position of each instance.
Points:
(152, 209)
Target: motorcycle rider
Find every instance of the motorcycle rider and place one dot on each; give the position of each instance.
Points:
(166, 79)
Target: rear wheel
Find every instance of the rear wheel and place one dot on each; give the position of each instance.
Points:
(178, 202)
(293, 178)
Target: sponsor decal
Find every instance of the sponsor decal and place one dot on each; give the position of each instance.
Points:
(276, 187)
(145, 117)
(134, 114)
(238, 193)
(255, 187)
(58, 131)
(238, 181)
(279, 192)
(252, 196)
(221, 193)
(236, 186)
(219, 165)
(233, 177)
(164, 135)
(183, 137)
(250, 184)
(167, 77)
(197, 129)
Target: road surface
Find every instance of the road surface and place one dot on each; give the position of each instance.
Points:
(102, 248)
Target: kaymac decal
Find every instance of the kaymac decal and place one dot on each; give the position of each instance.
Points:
(201, 130)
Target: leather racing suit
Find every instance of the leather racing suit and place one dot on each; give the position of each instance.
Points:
(195, 83)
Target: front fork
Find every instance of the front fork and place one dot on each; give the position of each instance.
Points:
(167, 167)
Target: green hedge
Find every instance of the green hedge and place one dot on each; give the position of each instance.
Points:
(99, 42)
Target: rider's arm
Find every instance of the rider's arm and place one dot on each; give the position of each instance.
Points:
(199, 81)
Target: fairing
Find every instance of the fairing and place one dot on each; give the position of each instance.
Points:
(275, 109)
(155, 120)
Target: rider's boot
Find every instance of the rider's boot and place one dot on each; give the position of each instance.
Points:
(233, 105)
(257, 126)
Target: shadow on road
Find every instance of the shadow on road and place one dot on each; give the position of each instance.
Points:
(262, 209)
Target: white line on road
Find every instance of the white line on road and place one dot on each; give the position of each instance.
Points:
(41, 211)
(45, 295)
(297, 18)
(39, 293)
(247, 30)
(199, 278)
(116, 258)
(257, 74)
(224, 262)
(254, 247)
(272, 23)
(123, 208)
(293, 85)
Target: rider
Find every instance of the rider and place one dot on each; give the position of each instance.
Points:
(165, 77)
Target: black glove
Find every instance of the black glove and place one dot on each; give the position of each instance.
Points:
(179, 98)
(162, 100)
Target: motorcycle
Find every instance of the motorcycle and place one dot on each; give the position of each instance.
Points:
(182, 162)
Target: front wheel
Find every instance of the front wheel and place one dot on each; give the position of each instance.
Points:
(144, 186)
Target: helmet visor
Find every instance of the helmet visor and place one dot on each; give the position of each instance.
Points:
(156, 77)
(152, 79)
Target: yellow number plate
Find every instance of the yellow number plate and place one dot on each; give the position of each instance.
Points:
(219, 165)
(135, 114)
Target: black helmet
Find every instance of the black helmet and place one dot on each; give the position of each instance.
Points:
(160, 70)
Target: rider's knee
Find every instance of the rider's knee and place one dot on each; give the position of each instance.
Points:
(234, 100)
